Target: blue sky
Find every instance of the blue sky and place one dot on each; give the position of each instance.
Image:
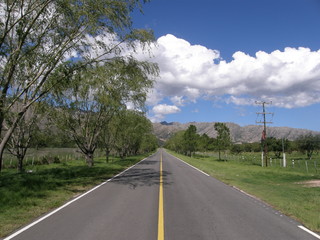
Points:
(217, 57)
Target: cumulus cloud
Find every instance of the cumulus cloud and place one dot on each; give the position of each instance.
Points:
(178, 100)
(289, 77)
(161, 110)
(165, 109)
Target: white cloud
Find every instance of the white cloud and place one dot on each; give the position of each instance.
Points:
(159, 111)
(165, 109)
(154, 97)
(290, 78)
(178, 100)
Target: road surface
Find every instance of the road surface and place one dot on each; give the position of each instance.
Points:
(164, 198)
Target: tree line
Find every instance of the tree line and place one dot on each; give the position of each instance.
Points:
(189, 141)
(71, 65)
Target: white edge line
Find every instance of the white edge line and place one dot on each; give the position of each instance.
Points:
(249, 195)
(309, 231)
(302, 227)
(68, 203)
(190, 165)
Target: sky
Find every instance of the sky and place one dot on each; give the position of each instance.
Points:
(218, 58)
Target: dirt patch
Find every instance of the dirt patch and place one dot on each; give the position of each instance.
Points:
(311, 183)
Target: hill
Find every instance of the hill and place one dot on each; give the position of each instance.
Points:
(250, 133)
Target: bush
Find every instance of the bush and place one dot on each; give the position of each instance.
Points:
(44, 160)
(50, 160)
(56, 159)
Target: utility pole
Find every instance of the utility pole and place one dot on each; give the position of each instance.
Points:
(284, 161)
(264, 132)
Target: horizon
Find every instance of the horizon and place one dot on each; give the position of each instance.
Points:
(269, 126)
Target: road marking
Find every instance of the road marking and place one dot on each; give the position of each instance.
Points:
(67, 204)
(310, 232)
(191, 166)
(160, 212)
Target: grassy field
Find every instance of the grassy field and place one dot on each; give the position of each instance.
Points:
(295, 161)
(26, 196)
(283, 188)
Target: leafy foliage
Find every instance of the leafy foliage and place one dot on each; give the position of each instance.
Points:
(223, 139)
(96, 95)
(308, 144)
(45, 43)
(131, 131)
(188, 141)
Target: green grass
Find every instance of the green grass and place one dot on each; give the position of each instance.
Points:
(279, 187)
(295, 160)
(26, 196)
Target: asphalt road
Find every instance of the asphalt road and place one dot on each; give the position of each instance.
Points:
(195, 206)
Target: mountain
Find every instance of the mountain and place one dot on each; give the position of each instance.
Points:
(251, 133)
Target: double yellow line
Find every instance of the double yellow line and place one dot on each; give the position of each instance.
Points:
(160, 212)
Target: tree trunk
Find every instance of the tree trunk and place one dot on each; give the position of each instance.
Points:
(89, 158)
(20, 163)
(107, 155)
(8, 134)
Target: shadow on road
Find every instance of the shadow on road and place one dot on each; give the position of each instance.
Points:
(142, 177)
(148, 162)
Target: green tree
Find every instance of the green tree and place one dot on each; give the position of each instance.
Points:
(44, 42)
(223, 137)
(96, 95)
(190, 140)
(132, 129)
(107, 138)
(308, 144)
(20, 139)
(205, 143)
(149, 143)
(237, 148)
(176, 142)
(277, 145)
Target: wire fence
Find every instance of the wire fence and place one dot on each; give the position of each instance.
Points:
(292, 162)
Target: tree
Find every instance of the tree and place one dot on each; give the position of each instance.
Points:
(149, 143)
(44, 42)
(190, 140)
(20, 139)
(237, 148)
(277, 145)
(107, 138)
(205, 143)
(96, 95)
(223, 137)
(308, 144)
(176, 142)
(131, 129)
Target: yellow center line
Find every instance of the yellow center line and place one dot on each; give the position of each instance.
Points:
(160, 213)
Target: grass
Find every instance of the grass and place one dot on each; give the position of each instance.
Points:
(26, 196)
(296, 161)
(36, 156)
(278, 187)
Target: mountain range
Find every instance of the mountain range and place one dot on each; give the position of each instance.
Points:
(239, 134)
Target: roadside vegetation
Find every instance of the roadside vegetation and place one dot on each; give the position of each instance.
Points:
(70, 66)
(302, 153)
(69, 80)
(292, 188)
